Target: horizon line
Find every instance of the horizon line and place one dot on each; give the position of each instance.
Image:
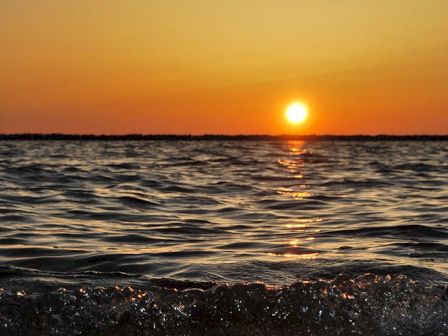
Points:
(205, 136)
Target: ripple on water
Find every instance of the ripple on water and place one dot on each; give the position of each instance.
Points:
(201, 211)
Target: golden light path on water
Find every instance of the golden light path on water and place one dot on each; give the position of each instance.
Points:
(300, 227)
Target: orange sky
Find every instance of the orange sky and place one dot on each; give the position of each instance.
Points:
(228, 66)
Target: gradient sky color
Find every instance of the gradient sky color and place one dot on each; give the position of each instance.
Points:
(228, 66)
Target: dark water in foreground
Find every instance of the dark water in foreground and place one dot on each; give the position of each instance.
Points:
(223, 238)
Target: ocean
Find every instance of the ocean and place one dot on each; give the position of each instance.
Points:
(223, 237)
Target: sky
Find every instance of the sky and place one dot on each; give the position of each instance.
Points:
(226, 67)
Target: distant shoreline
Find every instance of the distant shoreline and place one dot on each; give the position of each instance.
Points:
(215, 137)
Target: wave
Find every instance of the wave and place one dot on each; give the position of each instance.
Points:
(366, 304)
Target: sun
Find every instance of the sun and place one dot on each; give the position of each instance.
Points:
(296, 113)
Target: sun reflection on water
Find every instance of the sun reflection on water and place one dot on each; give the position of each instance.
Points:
(298, 195)
(294, 243)
(296, 226)
(300, 230)
(309, 255)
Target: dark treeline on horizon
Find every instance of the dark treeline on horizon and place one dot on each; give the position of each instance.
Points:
(211, 137)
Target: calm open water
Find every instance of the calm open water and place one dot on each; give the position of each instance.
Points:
(223, 238)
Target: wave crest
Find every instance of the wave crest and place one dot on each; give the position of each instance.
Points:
(366, 304)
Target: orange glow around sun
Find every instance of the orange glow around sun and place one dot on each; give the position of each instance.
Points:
(178, 67)
(296, 113)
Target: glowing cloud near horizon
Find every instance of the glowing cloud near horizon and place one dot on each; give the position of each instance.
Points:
(296, 113)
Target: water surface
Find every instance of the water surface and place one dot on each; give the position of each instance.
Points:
(200, 215)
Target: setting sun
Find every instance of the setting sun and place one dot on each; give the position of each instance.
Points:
(296, 113)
